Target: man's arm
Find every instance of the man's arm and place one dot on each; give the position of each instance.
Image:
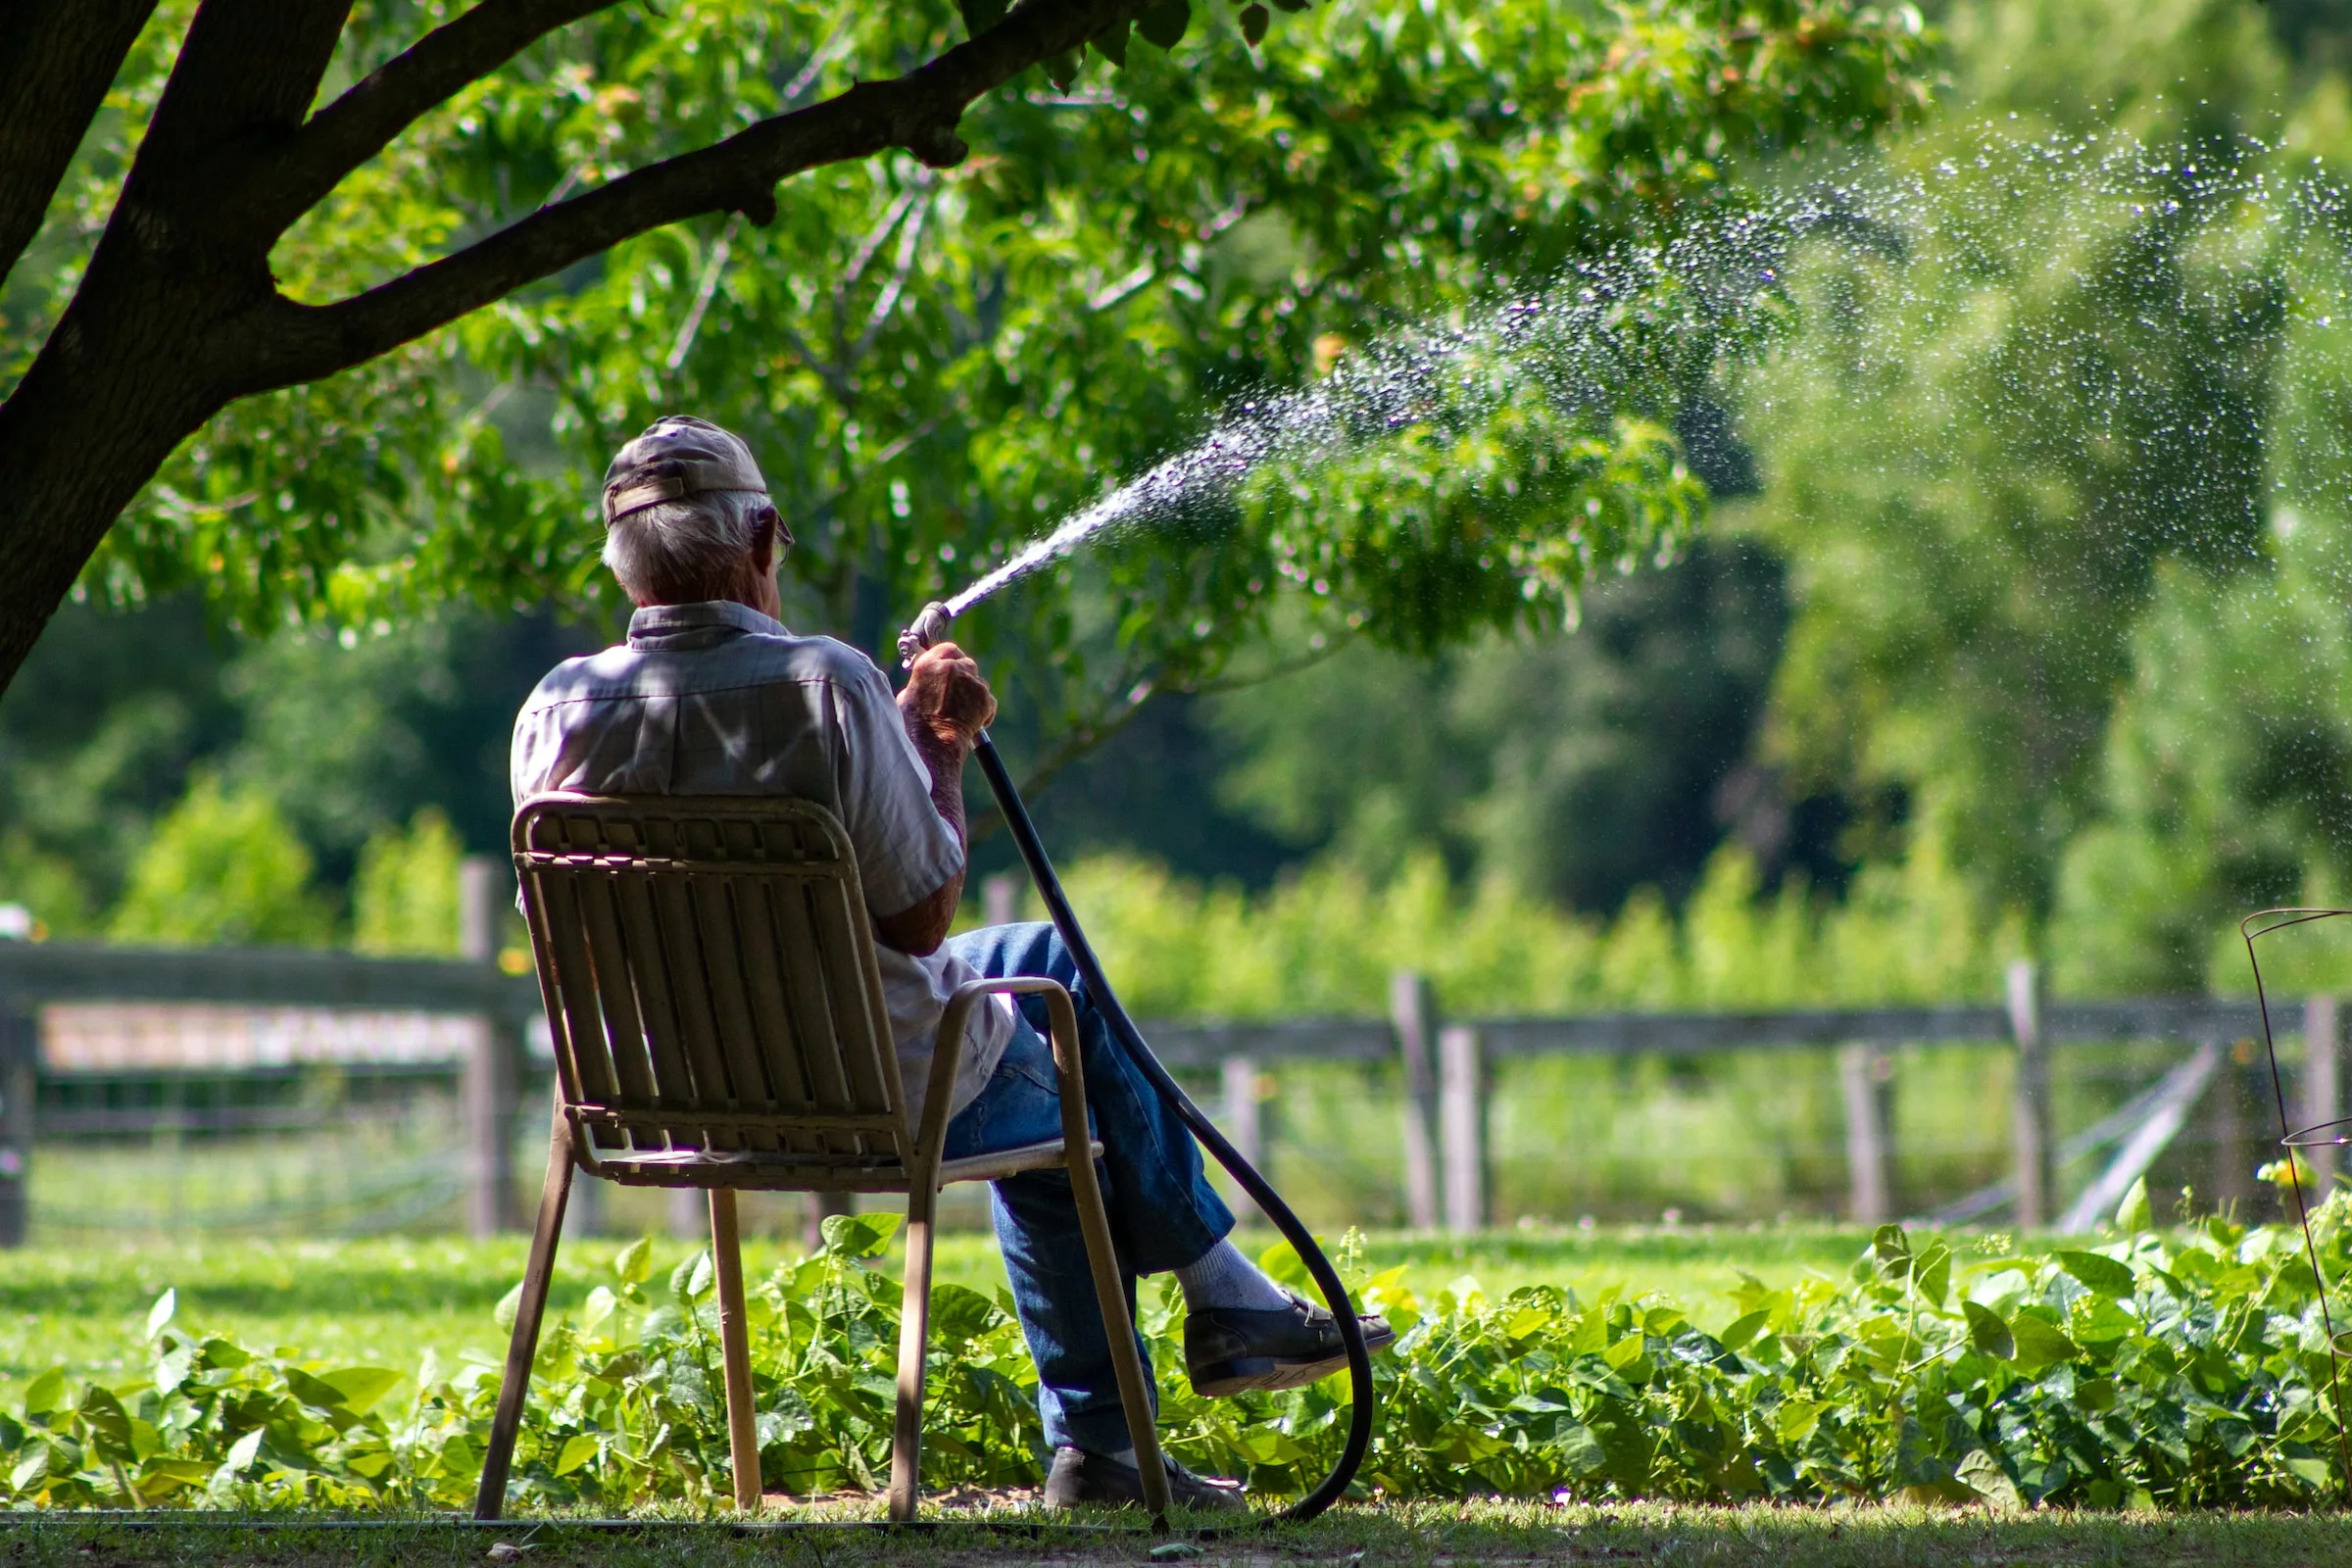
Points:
(945, 707)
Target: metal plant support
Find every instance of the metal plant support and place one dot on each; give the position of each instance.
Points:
(2328, 1134)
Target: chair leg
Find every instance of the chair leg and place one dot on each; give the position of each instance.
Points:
(914, 1343)
(489, 1500)
(1134, 1391)
(1103, 1258)
(735, 1350)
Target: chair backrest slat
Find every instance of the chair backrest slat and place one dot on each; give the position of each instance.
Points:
(616, 994)
(765, 1081)
(713, 978)
(677, 927)
(560, 940)
(657, 1000)
(842, 952)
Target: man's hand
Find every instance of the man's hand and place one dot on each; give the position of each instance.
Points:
(946, 694)
(946, 704)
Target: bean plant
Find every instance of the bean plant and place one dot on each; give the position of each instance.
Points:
(2164, 1368)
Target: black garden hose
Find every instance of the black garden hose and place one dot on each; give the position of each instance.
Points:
(1122, 1029)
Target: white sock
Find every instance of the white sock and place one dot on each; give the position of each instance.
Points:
(1223, 1277)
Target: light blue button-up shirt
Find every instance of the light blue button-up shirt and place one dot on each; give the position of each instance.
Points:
(717, 698)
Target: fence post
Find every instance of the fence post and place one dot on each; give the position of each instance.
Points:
(1859, 1076)
(20, 1081)
(1413, 1014)
(492, 1088)
(2030, 1109)
(1240, 1121)
(1462, 1114)
(999, 898)
(2323, 1095)
(2232, 1161)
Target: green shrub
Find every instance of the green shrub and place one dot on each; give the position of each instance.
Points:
(404, 898)
(2178, 1369)
(1326, 942)
(224, 868)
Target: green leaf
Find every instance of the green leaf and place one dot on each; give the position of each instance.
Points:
(2132, 1215)
(1112, 43)
(46, 1392)
(635, 1264)
(1983, 1475)
(2317, 1472)
(1988, 1333)
(1062, 70)
(106, 1418)
(1253, 24)
(161, 1313)
(1933, 1274)
(509, 1307)
(317, 1393)
(243, 1452)
(578, 1452)
(362, 1386)
(1892, 1248)
(859, 1235)
(960, 1316)
(2039, 1342)
(31, 1469)
(1164, 23)
(1580, 1450)
(700, 1279)
(2102, 1274)
(1744, 1329)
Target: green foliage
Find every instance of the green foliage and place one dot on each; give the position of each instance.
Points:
(2228, 758)
(224, 868)
(1326, 942)
(933, 363)
(405, 897)
(2175, 1370)
(2028, 442)
(1578, 764)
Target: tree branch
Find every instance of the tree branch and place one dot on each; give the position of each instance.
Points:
(362, 123)
(56, 59)
(917, 112)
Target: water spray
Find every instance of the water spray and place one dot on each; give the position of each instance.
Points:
(930, 627)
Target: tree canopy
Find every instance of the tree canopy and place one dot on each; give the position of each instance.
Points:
(338, 307)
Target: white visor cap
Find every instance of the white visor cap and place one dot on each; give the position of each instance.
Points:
(678, 455)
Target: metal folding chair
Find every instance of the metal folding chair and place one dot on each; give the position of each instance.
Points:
(708, 966)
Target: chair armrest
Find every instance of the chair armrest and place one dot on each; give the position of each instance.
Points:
(947, 1051)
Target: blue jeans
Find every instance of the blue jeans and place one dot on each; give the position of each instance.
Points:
(1163, 1214)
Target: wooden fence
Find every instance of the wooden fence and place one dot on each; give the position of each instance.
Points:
(1447, 1064)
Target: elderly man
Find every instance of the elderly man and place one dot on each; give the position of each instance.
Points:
(711, 695)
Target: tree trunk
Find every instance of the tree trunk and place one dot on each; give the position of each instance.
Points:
(119, 384)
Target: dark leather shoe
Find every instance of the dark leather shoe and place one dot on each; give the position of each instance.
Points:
(1230, 1349)
(1089, 1479)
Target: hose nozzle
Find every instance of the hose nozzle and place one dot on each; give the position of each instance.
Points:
(929, 627)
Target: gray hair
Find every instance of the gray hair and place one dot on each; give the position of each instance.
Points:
(687, 550)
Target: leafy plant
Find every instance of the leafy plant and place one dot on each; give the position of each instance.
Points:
(2173, 1370)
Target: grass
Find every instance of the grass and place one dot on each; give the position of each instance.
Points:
(384, 1301)
(1419, 1535)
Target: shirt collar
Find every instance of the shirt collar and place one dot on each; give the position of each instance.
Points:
(669, 625)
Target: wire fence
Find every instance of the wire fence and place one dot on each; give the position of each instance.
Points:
(278, 1111)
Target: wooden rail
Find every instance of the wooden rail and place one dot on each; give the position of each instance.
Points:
(1446, 1063)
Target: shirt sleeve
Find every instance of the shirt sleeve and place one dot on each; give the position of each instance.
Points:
(905, 850)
